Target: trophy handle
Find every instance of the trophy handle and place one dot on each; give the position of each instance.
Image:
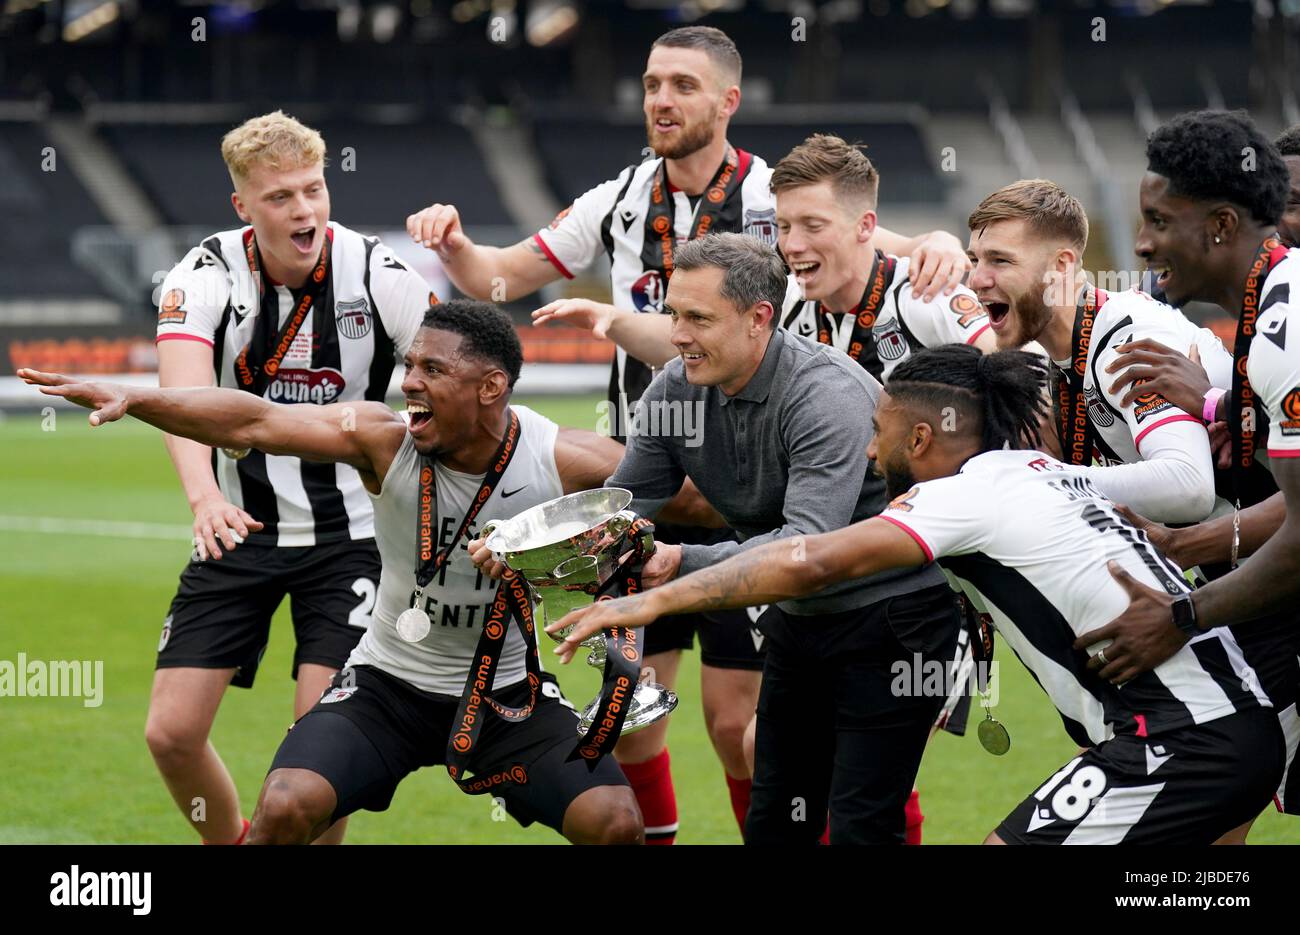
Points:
(485, 532)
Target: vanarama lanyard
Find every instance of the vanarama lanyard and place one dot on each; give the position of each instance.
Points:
(1247, 435)
(622, 654)
(864, 316)
(1073, 427)
(260, 359)
(659, 229)
(511, 601)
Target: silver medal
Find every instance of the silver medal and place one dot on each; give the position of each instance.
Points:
(413, 625)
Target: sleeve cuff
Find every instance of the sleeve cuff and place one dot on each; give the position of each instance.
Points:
(695, 557)
(552, 257)
(916, 537)
(176, 336)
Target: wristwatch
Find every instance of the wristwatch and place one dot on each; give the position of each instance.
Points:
(1184, 612)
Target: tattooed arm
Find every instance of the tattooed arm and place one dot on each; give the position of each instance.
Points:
(781, 570)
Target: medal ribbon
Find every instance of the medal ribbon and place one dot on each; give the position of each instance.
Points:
(659, 235)
(882, 275)
(1246, 439)
(1073, 426)
(428, 564)
(622, 654)
(260, 359)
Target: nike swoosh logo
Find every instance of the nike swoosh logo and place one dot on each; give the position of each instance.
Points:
(511, 493)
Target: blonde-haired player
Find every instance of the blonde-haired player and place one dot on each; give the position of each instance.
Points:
(292, 308)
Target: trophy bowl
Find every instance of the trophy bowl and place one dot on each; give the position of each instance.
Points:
(566, 549)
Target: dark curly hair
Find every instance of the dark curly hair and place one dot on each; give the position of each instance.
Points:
(1204, 155)
(1000, 392)
(1288, 144)
(487, 332)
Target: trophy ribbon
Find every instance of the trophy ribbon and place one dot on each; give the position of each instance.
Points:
(622, 654)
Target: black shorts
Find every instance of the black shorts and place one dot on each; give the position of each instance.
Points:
(729, 639)
(221, 615)
(370, 730)
(1186, 786)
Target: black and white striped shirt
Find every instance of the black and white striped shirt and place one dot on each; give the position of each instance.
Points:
(611, 219)
(345, 350)
(1028, 539)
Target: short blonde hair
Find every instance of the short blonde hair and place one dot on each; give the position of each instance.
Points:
(1049, 210)
(274, 140)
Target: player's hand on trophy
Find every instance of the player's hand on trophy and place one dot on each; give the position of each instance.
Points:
(585, 314)
(218, 523)
(486, 562)
(662, 566)
(1141, 638)
(631, 611)
(438, 228)
(108, 400)
(939, 264)
(1154, 368)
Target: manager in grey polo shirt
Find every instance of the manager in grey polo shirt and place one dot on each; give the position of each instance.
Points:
(780, 427)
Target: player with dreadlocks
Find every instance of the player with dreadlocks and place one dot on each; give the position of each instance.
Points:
(1010, 525)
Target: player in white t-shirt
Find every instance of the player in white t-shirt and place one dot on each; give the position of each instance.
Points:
(391, 710)
(1179, 755)
(697, 183)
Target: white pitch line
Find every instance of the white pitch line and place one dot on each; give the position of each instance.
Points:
(109, 528)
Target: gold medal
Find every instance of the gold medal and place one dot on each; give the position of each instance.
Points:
(993, 736)
(236, 454)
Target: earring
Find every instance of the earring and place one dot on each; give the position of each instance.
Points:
(1216, 239)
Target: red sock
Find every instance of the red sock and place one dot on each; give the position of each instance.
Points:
(243, 833)
(914, 818)
(740, 789)
(652, 784)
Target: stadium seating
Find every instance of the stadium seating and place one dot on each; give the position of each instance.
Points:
(42, 210)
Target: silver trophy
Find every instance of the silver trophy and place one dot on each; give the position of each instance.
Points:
(566, 549)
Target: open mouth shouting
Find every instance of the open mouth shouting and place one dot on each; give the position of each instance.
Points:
(1162, 271)
(998, 312)
(303, 238)
(804, 270)
(420, 415)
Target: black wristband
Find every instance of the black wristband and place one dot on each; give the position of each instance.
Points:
(1184, 612)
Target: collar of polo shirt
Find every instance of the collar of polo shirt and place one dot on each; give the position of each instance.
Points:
(760, 383)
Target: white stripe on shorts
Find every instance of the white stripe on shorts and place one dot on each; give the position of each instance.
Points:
(1114, 814)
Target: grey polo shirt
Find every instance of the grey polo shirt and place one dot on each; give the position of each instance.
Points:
(784, 457)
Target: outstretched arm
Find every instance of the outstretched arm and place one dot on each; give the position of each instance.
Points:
(358, 434)
(780, 570)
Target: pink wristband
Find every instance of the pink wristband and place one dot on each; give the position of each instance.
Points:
(1210, 410)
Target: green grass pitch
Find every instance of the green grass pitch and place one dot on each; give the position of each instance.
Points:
(77, 774)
